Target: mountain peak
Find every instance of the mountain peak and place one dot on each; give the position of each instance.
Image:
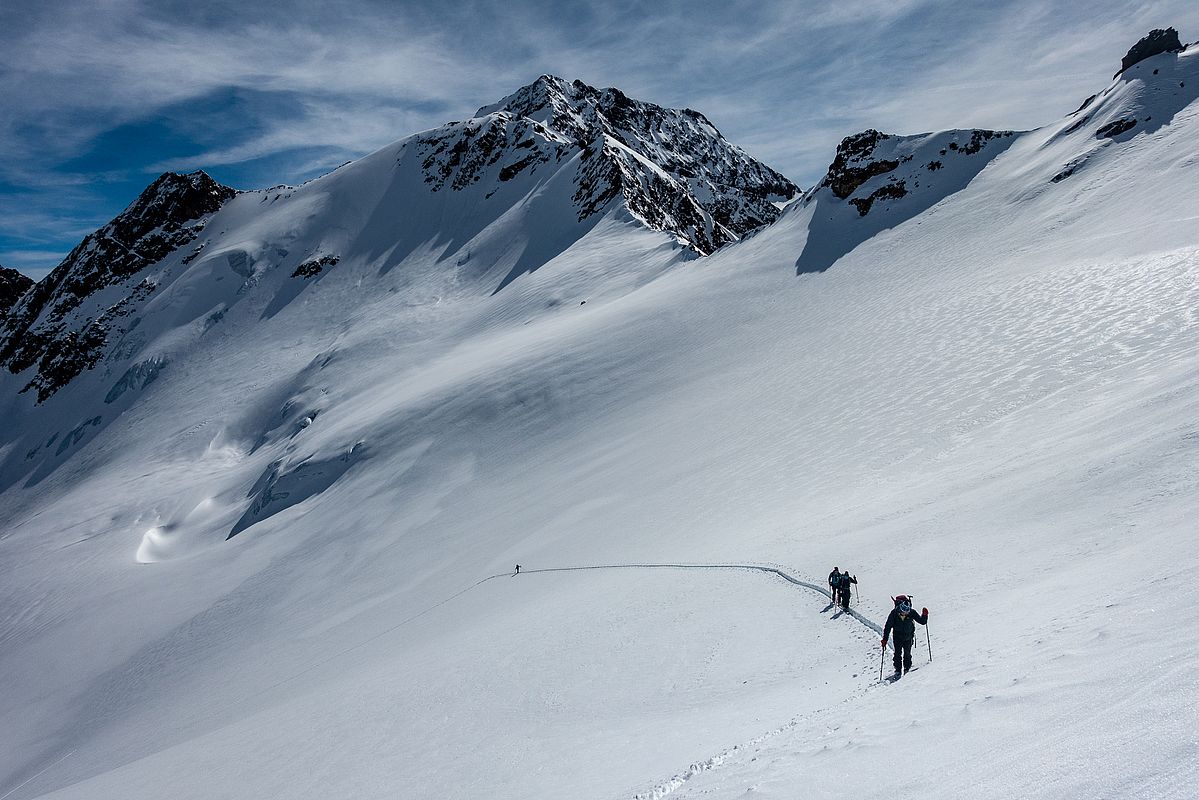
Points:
(593, 151)
(13, 284)
(1158, 41)
(675, 170)
(42, 327)
(191, 194)
(581, 111)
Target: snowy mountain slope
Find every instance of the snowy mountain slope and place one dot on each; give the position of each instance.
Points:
(878, 181)
(493, 178)
(63, 323)
(886, 180)
(986, 404)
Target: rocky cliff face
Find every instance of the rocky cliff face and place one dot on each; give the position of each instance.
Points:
(871, 166)
(13, 284)
(672, 166)
(62, 325)
(879, 180)
(1156, 42)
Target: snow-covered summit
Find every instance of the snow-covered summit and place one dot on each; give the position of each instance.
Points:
(673, 166)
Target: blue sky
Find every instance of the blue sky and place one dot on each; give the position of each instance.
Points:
(99, 97)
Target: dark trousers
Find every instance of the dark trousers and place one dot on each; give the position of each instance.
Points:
(903, 656)
(845, 595)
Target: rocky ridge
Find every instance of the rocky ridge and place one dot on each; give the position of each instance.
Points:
(1158, 41)
(673, 168)
(63, 324)
(868, 155)
(13, 284)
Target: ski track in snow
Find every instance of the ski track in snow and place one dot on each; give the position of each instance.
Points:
(37, 775)
(677, 781)
(750, 567)
(753, 567)
(658, 791)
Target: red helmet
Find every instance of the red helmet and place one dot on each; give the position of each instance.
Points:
(903, 598)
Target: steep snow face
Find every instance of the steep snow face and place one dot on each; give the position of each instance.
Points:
(878, 181)
(1145, 97)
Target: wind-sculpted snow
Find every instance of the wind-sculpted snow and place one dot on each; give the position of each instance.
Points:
(283, 486)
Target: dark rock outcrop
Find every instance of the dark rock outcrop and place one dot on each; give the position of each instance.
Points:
(879, 180)
(315, 266)
(1115, 128)
(49, 327)
(13, 284)
(888, 191)
(1158, 41)
(853, 165)
(868, 154)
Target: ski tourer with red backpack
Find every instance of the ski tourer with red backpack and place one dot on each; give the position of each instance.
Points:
(902, 622)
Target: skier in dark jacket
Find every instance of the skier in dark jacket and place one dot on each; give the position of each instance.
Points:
(834, 584)
(903, 621)
(846, 585)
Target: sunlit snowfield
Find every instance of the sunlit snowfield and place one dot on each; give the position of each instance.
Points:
(993, 406)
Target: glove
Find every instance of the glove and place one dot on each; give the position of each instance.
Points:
(924, 612)
(884, 643)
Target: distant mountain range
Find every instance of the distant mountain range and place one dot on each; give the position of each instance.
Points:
(579, 150)
(491, 199)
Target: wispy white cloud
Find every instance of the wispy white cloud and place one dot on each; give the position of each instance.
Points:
(325, 82)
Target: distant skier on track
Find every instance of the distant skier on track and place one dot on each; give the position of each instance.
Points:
(903, 621)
